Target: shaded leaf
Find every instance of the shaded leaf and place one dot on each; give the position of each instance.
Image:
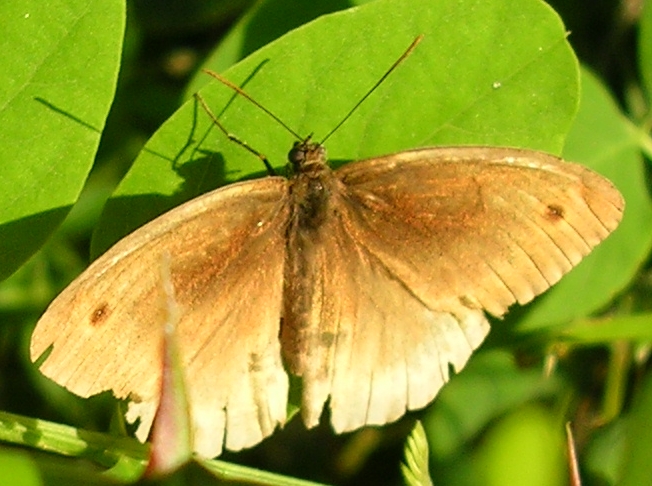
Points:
(637, 459)
(60, 67)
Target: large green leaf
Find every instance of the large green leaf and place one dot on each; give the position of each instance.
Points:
(60, 62)
(485, 73)
(266, 21)
(490, 385)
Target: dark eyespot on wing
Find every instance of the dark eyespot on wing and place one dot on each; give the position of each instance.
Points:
(554, 212)
(100, 314)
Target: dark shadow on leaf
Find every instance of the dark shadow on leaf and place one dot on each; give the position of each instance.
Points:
(124, 214)
(200, 170)
(63, 112)
(276, 17)
(20, 238)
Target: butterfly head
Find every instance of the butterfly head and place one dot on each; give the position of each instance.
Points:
(307, 156)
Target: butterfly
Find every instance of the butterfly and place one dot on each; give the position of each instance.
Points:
(368, 283)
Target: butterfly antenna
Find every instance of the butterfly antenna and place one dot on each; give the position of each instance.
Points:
(232, 137)
(408, 51)
(242, 93)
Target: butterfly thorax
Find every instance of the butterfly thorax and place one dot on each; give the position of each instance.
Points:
(312, 184)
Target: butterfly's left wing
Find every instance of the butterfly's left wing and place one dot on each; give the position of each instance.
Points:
(418, 246)
(104, 331)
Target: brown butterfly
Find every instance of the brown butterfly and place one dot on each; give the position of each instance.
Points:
(367, 282)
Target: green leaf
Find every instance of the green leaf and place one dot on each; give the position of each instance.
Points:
(415, 467)
(490, 385)
(636, 327)
(645, 49)
(602, 139)
(603, 456)
(127, 457)
(443, 94)
(254, 30)
(17, 468)
(68, 441)
(526, 448)
(637, 462)
(60, 62)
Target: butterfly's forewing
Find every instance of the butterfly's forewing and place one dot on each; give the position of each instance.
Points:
(227, 247)
(419, 244)
(489, 225)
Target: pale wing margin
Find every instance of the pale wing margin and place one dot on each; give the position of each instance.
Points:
(104, 329)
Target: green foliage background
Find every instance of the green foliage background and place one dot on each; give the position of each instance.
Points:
(95, 102)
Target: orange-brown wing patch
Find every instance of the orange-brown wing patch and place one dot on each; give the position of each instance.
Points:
(226, 251)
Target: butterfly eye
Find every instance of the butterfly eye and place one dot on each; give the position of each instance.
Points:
(297, 155)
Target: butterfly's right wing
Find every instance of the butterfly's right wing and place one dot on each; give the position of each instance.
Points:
(104, 331)
(393, 284)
